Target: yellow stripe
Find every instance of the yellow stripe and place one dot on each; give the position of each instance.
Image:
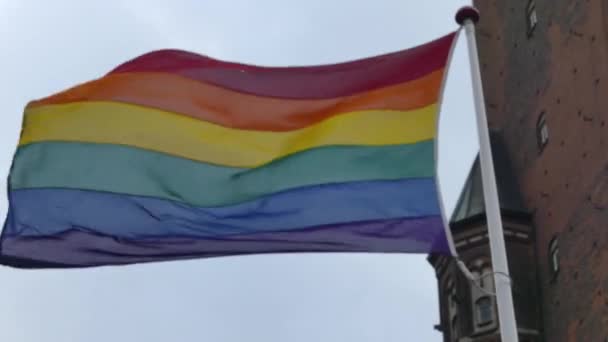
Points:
(157, 130)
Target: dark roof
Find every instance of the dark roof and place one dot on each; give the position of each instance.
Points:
(471, 201)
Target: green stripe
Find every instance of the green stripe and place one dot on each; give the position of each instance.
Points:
(128, 170)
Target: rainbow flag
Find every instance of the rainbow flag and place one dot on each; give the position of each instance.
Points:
(173, 155)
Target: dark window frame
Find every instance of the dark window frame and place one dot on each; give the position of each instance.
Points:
(542, 131)
(553, 258)
(531, 13)
(482, 266)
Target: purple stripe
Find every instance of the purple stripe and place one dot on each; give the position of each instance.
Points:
(78, 248)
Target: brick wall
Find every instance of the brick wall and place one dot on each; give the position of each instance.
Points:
(561, 70)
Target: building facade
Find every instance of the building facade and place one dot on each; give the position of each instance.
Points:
(544, 66)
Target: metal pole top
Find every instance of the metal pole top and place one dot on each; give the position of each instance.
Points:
(467, 13)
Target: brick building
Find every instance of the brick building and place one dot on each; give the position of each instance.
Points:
(545, 73)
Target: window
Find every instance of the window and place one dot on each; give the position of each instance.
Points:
(484, 311)
(542, 132)
(452, 308)
(452, 297)
(455, 329)
(482, 303)
(531, 17)
(554, 257)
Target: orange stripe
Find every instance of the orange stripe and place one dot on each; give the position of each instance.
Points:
(238, 110)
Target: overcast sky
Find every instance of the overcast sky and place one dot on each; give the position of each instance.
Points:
(47, 46)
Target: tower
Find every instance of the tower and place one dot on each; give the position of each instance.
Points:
(544, 65)
(545, 75)
(468, 311)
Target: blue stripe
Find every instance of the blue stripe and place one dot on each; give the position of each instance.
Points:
(37, 212)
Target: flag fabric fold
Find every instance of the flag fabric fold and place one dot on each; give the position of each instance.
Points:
(174, 155)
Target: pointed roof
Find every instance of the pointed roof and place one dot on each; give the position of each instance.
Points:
(471, 201)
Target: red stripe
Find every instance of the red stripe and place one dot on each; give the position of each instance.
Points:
(310, 82)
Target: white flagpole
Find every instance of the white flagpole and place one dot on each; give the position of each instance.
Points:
(468, 17)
